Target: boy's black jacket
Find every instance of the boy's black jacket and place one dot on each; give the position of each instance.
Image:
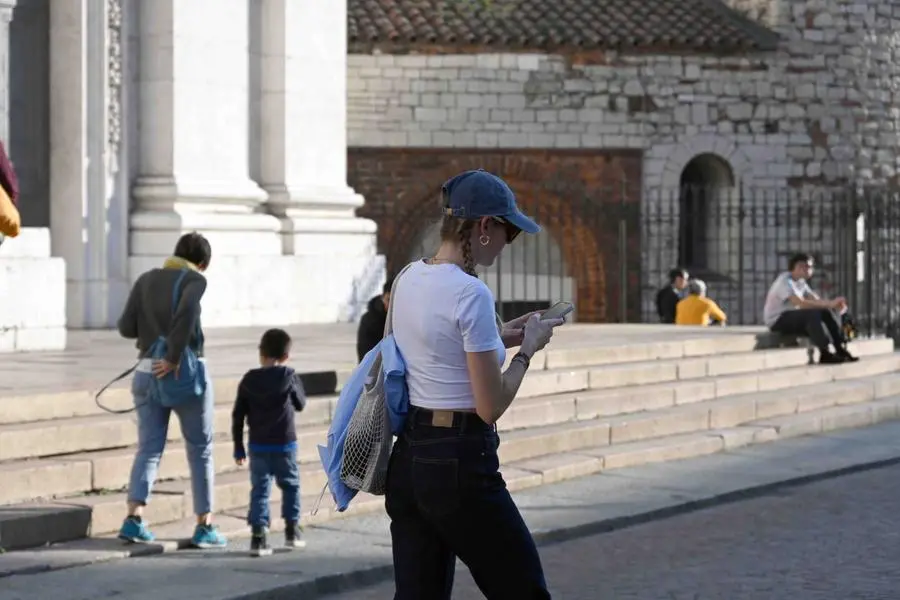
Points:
(267, 397)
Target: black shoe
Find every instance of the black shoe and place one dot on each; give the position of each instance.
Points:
(844, 354)
(827, 358)
(259, 543)
(293, 535)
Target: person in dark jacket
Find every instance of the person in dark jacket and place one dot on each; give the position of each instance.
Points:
(667, 298)
(371, 326)
(267, 398)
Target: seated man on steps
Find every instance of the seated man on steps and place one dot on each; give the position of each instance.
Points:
(793, 308)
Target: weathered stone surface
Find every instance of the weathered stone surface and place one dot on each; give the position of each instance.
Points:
(833, 72)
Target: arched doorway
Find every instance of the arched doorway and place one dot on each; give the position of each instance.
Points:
(531, 274)
(707, 215)
(401, 188)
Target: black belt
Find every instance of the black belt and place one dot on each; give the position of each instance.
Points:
(450, 419)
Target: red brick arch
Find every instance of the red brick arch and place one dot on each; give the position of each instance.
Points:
(402, 188)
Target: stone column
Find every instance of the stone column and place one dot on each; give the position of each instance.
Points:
(81, 191)
(303, 113)
(6, 14)
(300, 54)
(193, 171)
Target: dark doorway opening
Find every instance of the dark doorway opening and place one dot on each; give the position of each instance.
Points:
(703, 181)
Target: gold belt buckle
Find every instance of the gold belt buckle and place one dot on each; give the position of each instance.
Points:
(442, 418)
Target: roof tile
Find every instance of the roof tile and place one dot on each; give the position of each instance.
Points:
(677, 25)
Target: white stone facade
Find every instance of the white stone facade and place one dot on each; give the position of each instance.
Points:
(222, 116)
(821, 111)
(32, 317)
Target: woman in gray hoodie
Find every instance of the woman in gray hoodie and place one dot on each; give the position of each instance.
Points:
(148, 315)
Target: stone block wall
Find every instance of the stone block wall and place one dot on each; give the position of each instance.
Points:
(32, 294)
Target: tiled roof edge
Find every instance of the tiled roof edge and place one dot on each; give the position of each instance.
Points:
(764, 38)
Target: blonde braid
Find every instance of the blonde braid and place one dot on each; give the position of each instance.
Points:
(465, 240)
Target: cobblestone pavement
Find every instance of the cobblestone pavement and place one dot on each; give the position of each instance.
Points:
(832, 540)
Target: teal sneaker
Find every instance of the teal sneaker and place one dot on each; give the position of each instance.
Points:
(208, 536)
(134, 530)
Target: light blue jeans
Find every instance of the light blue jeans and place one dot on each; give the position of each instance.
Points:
(196, 419)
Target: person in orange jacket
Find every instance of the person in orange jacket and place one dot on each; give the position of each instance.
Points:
(696, 308)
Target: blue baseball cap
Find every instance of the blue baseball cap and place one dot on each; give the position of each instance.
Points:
(476, 194)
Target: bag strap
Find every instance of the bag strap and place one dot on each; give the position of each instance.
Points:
(119, 377)
(176, 296)
(389, 322)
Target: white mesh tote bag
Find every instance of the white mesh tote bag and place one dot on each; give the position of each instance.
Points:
(370, 432)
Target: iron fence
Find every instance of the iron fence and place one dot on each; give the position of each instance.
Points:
(738, 240)
(608, 249)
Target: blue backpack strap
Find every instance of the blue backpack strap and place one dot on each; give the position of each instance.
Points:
(176, 289)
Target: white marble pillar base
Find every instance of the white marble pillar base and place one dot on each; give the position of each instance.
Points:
(32, 294)
(340, 265)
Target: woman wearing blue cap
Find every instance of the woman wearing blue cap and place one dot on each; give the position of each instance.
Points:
(445, 495)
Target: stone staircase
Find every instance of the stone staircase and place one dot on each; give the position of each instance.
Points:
(601, 398)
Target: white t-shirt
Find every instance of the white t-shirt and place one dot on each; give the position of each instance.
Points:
(440, 314)
(777, 302)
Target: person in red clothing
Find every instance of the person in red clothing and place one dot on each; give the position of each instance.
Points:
(8, 178)
(10, 184)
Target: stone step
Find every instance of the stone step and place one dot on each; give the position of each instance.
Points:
(686, 418)
(101, 513)
(107, 470)
(567, 368)
(553, 468)
(79, 434)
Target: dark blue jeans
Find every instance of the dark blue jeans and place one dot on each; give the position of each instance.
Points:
(283, 467)
(446, 499)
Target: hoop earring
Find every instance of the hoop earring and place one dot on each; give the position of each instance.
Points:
(484, 240)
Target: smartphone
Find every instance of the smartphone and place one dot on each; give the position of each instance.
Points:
(558, 310)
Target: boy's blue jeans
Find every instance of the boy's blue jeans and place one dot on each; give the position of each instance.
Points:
(196, 419)
(283, 467)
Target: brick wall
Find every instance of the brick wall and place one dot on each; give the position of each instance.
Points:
(580, 198)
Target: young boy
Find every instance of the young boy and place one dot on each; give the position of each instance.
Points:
(267, 397)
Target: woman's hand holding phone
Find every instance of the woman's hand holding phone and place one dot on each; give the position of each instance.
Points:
(538, 332)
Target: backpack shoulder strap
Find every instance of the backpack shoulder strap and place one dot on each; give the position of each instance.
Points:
(176, 289)
(389, 322)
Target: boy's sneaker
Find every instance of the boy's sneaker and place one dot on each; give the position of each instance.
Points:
(259, 543)
(134, 530)
(293, 535)
(207, 536)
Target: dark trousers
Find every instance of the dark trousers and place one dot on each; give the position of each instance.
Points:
(447, 499)
(819, 324)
